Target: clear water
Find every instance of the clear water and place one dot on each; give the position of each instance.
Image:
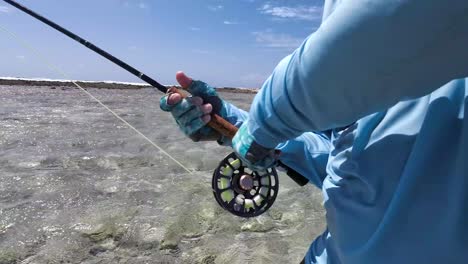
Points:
(77, 186)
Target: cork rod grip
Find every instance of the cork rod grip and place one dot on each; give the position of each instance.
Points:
(217, 122)
(222, 126)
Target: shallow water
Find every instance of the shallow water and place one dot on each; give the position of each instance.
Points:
(78, 186)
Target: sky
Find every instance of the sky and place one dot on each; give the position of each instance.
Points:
(229, 43)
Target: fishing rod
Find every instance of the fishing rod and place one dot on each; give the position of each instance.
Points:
(236, 188)
(91, 46)
(217, 122)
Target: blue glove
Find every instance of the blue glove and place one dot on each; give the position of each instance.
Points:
(253, 155)
(193, 113)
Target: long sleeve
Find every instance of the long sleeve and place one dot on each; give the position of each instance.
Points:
(306, 154)
(366, 56)
(235, 115)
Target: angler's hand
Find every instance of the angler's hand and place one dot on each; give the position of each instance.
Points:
(253, 155)
(193, 113)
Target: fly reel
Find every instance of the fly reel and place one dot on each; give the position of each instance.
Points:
(241, 191)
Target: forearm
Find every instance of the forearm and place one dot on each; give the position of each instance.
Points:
(235, 116)
(367, 56)
(307, 155)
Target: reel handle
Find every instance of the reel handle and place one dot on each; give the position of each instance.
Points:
(217, 122)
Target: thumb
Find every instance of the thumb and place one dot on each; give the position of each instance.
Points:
(183, 80)
(196, 88)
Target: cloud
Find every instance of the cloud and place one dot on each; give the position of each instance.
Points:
(215, 8)
(270, 39)
(287, 12)
(194, 28)
(135, 4)
(198, 51)
(226, 22)
(20, 57)
(5, 9)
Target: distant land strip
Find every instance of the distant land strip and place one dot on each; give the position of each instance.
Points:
(100, 84)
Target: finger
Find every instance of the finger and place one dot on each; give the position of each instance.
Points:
(193, 126)
(184, 106)
(183, 80)
(197, 101)
(206, 119)
(164, 105)
(190, 114)
(174, 99)
(206, 108)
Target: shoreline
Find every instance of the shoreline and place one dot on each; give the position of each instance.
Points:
(101, 85)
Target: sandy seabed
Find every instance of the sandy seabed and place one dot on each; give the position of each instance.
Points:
(78, 186)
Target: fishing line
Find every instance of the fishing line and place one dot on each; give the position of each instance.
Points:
(51, 66)
(236, 188)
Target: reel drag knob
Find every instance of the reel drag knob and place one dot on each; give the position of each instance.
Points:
(241, 191)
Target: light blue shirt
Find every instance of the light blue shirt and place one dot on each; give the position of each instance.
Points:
(396, 181)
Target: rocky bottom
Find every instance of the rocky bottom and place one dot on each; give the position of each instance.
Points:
(78, 186)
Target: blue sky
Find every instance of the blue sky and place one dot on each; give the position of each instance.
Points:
(223, 42)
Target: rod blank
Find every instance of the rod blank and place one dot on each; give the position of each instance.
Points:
(90, 46)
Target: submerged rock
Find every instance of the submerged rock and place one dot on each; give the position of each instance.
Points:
(104, 231)
(275, 214)
(151, 238)
(257, 226)
(169, 243)
(106, 245)
(8, 257)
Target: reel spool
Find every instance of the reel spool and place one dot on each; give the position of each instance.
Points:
(241, 191)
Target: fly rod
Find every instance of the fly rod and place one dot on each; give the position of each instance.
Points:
(230, 177)
(217, 122)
